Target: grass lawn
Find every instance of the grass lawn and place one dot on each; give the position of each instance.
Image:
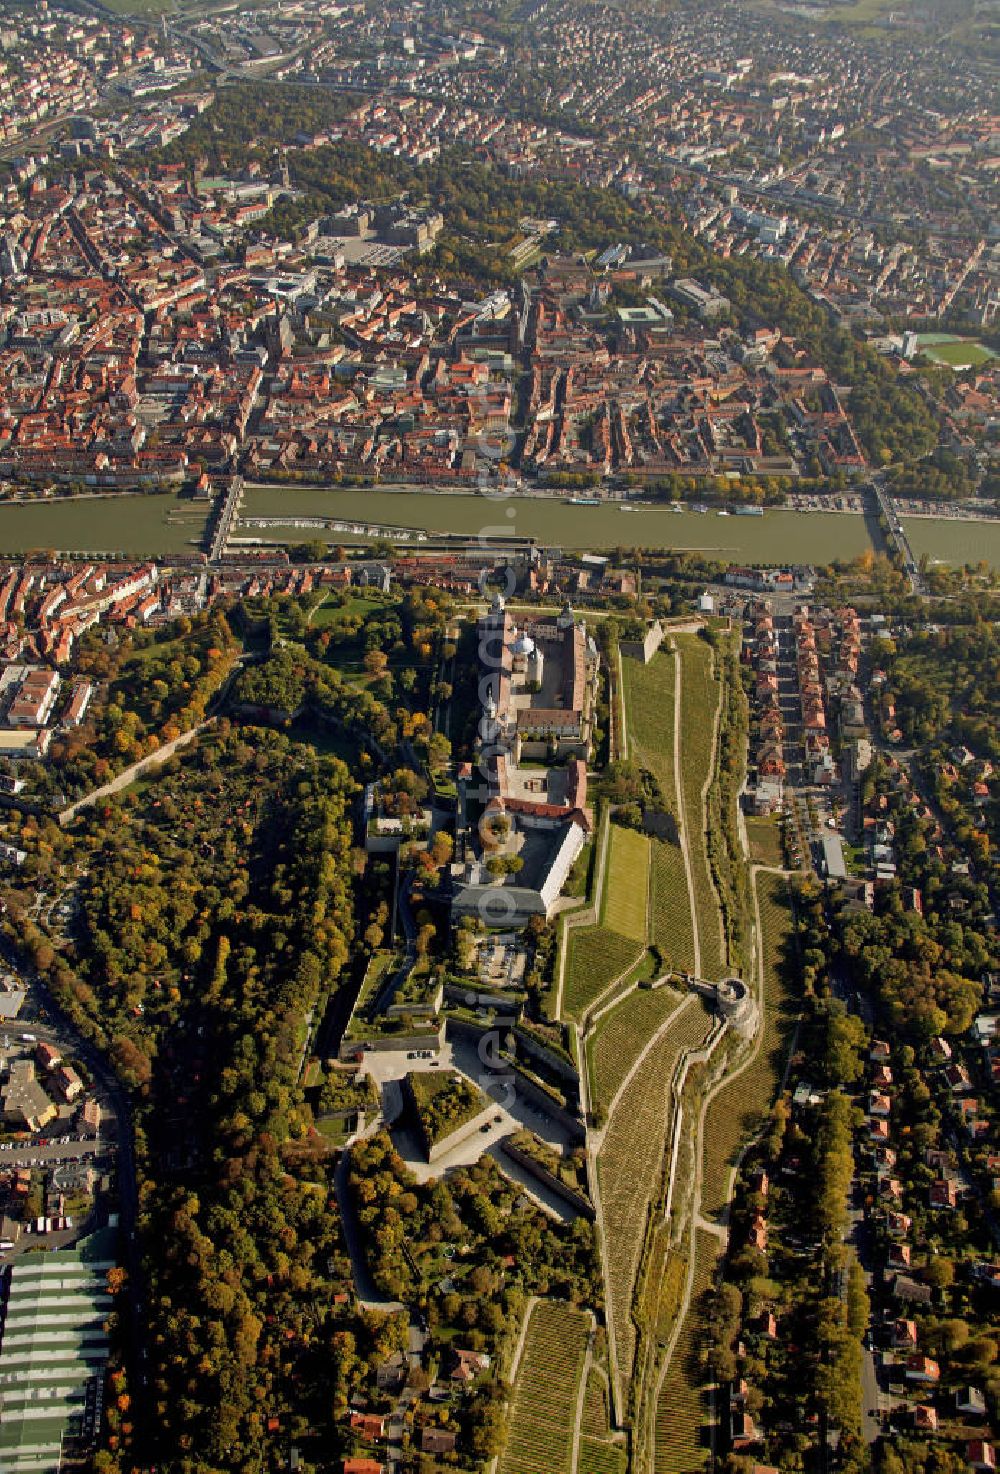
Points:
(443, 1102)
(954, 352)
(145, 7)
(649, 703)
(764, 835)
(627, 890)
(579, 880)
(330, 615)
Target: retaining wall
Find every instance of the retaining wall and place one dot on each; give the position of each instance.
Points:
(576, 1200)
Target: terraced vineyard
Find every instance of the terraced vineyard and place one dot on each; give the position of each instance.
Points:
(629, 1166)
(670, 919)
(619, 1038)
(598, 1455)
(700, 695)
(739, 1104)
(681, 1447)
(543, 1408)
(595, 958)
(600, 1458)
(596, 1422)
(649, 698)
(626, 891)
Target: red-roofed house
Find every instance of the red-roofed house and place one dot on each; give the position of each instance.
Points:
(369, 1425)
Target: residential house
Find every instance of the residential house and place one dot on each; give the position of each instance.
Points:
(437, 1441)
(943, 1193)
(369, 1426)
(970, 1402)
(468, 1364)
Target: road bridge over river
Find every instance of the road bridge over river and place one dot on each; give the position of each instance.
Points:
(896, 533)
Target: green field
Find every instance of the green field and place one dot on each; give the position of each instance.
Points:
(543, 1409)
(328, 616)
(626, 891)
(135, 524)
(802, 537)
(766, 846)
(855, 14)
(649, 703)
(947, 540)
(175, 8)
(954, 352)
(141, 7)
(650, 695)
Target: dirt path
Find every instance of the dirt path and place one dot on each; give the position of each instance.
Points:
(686, 1002)
(515, 1360)
(116, 785)
(162, 754)
(581, 1398)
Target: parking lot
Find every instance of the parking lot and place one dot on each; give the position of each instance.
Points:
(513, 1112)
(48, 1151)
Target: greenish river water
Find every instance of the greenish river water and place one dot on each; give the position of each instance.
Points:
(163, 524)
(794, 537)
